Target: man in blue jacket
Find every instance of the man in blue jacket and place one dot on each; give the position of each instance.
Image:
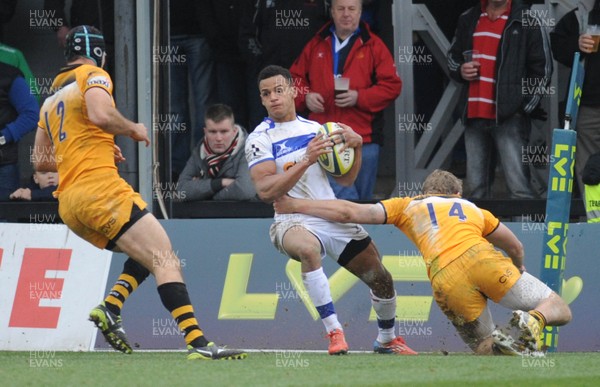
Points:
(19, 111)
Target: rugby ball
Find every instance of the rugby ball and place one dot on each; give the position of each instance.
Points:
(335, 163)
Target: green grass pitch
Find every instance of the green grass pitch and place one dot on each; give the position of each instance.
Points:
(294, 368)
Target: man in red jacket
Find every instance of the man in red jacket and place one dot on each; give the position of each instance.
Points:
(346, 48)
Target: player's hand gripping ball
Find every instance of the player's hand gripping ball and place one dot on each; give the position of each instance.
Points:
(335, 163)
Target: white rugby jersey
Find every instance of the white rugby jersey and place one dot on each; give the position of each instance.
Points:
(285, 143)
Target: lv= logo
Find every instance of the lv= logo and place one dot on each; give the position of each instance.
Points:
(237, 304)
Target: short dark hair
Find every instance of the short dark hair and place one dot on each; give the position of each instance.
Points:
(218, 112)
(273, 71)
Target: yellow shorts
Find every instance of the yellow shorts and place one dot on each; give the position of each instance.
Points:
(97, 208)
(462, 288)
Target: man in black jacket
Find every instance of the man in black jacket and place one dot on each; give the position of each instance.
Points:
(569, 36)
(505, 81)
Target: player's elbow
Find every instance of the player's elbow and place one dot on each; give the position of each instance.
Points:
(346, 217)
(266, 196)
(516, 250)
(99, 117)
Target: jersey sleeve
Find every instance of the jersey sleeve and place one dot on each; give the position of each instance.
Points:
(97, 78)
(490, 222)
(394, 208)
(258, 149)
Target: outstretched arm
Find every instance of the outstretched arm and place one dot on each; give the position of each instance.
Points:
(503, 238)
(341, 211)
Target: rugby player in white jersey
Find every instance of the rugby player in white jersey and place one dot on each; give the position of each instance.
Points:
(282, 155)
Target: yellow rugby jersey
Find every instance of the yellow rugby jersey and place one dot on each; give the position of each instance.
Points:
(442, 227)
(80, 147)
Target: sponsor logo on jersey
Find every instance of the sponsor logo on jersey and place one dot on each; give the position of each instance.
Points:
(292, 144)
(99, 80)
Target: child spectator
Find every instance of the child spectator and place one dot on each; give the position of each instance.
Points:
(39, 189)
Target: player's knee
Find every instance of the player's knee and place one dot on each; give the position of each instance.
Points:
(566, 314)
(308, 254)
(381, 283)
(563, 311)
(386, 277)
(165, 261)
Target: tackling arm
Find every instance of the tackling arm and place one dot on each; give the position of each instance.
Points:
(342, 211)
(503, 238)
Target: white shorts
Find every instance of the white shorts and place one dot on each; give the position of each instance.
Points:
(333, 236)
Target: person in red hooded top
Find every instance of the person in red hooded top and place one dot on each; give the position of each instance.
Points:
(346, 48)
